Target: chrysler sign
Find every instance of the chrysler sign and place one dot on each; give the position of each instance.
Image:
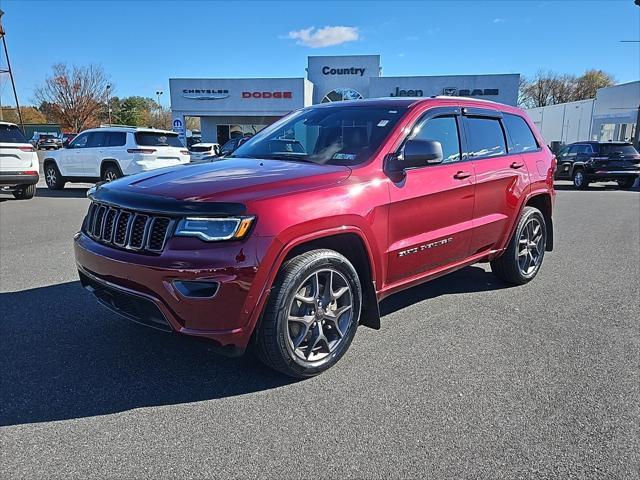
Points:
(476, 92)
(204, 94)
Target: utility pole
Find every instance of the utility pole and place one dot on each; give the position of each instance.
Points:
(108, 102)
(8, 70)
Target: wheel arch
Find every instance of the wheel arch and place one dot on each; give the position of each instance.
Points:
(542, 201)
(109, 162)
(352, 244)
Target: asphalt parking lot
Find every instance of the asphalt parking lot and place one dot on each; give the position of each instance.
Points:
(466, 379)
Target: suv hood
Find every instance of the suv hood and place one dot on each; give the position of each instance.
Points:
(228, 180)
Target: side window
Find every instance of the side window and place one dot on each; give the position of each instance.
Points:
(585, 149)
(96, 139)
(563, 153)
(80, 141)
(445, 131)
(116, 139)
(573, 151)
(486, 138)
(520, 135)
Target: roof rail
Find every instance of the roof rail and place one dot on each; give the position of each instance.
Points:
(107, 125)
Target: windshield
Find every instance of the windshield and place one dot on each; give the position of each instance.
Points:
(617, 149)
(158, 139)
(337, 135)
(11, 134)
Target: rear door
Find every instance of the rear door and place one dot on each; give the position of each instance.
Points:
(431, 207)
(501, 178)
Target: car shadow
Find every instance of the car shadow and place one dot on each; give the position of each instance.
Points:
(64, 356)
(594, 187)
(470, 279)
(77, 192)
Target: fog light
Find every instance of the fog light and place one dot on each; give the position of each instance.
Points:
(196, 289)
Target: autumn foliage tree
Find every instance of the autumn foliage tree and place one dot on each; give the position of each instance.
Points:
(550, 88)
(74, 96)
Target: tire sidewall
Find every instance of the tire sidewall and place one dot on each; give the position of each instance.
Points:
(584, 179)
(56, 172)
(529, 213)
(290, 285)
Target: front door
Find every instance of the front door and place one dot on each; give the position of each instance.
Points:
(70, 160)
(431, 207)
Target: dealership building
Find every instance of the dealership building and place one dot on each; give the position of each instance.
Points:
(613, 115)
(234, 106)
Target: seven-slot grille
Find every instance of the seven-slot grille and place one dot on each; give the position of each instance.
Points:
(125, 229)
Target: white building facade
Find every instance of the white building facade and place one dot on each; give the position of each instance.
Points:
(612, 116)
(237, 106)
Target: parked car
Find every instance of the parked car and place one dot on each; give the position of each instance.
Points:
(67, 138)
(289, 251)
(230, 146)
(108, 153)
(588, 162)
(46, 141)
(200, 151)
(18, 162)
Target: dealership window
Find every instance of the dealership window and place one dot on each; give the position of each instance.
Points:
(340, 94)
(486, 138)
(445, 131)
(520, 137)
(607, 131)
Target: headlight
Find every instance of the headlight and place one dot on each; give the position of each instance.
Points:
(214, 229)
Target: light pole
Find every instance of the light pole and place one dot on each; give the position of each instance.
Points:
(108, 102)
(158, 93)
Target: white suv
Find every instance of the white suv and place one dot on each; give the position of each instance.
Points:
(18, 162)
(108, 153)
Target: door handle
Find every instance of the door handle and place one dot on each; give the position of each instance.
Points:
(517, 165)
(461, 175)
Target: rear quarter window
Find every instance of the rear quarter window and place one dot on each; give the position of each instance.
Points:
(11, 134)
(157, 139)
(521, 138)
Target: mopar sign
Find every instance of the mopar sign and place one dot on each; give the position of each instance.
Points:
(204, 94)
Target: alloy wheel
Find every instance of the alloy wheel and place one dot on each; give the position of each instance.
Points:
(50, 177)
(531, 247)
(320, 315)
(578, 179)
(110, 176)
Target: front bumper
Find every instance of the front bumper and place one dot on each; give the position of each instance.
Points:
(141, 287)
(18, 178)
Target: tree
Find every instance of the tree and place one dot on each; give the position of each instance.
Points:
(590, 82)
(29, 115)
(550, 88)
(74, 96)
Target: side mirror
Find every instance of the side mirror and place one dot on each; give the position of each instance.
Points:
(415, 154)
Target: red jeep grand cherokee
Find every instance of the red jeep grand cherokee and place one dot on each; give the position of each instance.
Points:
(289, 244)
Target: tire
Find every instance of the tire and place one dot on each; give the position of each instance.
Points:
(111, 173)
(25, 192)
(579, 179)
(626, 183)
(526, 246)
(320, 337)
(52, 176)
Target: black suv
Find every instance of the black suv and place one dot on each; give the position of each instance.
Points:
(586, 162)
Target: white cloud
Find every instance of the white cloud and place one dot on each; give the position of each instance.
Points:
(324, 37)
(499, 20)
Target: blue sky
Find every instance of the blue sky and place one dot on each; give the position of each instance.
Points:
(142, 44)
